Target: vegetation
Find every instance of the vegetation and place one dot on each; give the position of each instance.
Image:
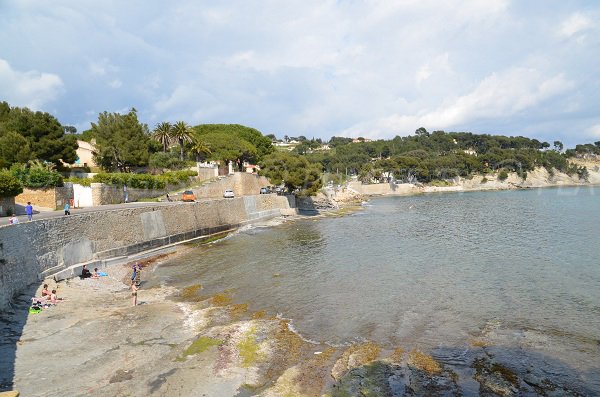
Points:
(27, 135)
(122, 142)
(37, 175)
(144, 181)
(34, 144)
(295, 172)
(426, 157)
(198, 346)
(10, 185)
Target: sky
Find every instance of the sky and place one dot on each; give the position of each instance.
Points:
(318, 68)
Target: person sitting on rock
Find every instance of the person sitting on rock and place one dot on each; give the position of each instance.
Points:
(54, 298)
(45, 291)
(85, 273)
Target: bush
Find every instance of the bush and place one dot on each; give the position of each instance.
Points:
(484, 180)
(38, 178)
(10, 185)
(144, 181)
(79, 181)
(503, 175)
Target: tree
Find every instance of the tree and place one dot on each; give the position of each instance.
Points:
(227, 147)
(182, 133)
(421, 132)
(201, 148)
(263, 144)
(45, 135)
(162, 133)
(558, 146)
(14, 148)
(294, 171)
(9, 184)
(121, 141)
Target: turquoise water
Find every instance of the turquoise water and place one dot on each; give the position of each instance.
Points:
(518, 270)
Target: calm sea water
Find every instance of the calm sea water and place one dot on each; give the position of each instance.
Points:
(519, 270)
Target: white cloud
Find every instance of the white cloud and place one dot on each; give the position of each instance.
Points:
(594, 131)
(495, 97)
(319, 67)
(574, 24)
(32, 89)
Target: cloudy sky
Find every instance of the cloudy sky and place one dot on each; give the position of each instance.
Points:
(373, 68)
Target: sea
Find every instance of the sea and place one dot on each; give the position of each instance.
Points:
(517, 271)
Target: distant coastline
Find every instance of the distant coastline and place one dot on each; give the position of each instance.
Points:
(538, 178)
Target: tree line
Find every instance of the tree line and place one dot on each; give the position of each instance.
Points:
(34, 145)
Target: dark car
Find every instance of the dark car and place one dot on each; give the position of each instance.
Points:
(264, 190)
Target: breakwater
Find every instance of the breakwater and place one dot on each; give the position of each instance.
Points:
(30, 251)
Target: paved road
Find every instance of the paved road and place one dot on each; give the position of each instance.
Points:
(55, 214)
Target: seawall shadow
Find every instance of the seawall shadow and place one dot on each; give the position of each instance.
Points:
(12, 323)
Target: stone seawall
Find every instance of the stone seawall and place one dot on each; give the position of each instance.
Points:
(47, 246)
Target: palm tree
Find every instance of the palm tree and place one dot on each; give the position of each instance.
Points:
(201, 148)
(162, 133)
(182, 133)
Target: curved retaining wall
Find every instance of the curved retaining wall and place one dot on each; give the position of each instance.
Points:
(31, 250)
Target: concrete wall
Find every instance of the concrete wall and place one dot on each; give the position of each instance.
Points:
(47, 246)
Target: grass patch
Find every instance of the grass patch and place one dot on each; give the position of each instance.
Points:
(259, 315)
(191, 292)
(396, 356)
(220, 300)
(424, 362)
(249, 349)
(478, 343)
(239, 309)
(198, 346)
(148, 200)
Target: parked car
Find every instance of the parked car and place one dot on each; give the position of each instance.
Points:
(278, 190)
(188, 195)
(264, 190)
(228, 194)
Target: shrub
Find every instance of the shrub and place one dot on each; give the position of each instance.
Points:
(39, 178)
(144, 181)
(503, 175)
(10, 185)
(484, 180)
(79, 181)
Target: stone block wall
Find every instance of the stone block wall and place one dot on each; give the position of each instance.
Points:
(52, 198)
(47, 246)
(107, 194)
(5, 204)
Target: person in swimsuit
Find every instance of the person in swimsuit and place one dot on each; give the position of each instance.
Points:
(134, 292)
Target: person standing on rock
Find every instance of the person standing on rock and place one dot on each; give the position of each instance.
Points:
(29, 211)
(138, 276)
(134, 292)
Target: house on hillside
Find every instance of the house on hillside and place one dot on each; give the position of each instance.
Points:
(85, 156)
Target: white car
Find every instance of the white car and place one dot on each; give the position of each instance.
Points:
(228, 194)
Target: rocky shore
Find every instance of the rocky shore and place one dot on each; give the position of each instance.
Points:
(185, 343)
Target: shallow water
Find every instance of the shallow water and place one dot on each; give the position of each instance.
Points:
(517, 270)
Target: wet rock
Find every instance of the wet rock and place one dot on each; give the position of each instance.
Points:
(495, 379)
(354, 356)
(422, 383)
(374, 379)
